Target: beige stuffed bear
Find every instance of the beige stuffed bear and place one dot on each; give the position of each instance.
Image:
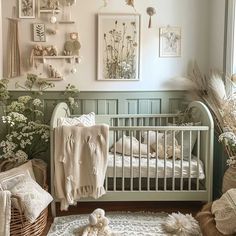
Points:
(98, 224)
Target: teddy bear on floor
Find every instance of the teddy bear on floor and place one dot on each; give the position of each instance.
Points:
(98, 224)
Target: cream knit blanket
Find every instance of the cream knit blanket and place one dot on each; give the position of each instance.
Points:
(5, 213)
(81, 155)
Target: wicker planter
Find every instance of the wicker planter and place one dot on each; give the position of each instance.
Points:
(19, 225)
(229, 179)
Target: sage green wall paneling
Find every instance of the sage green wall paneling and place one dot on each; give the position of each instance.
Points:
(132, 106)
(175, 105)
(148, 102)
(49, 105)
(90, 105)
(112, 106)
(106, 107)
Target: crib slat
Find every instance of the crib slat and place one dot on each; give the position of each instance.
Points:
(181, 161)
(131, 161)
(198, 156)
(190, 160)
(148, 170)
(114, 161)
(140, 167)
(157, 159)
(173, 162)
(123, 171)
(165, 150)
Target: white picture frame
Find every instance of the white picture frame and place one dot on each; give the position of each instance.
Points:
(26, 9)
(170, 41)
(39, 34)
(118, 54)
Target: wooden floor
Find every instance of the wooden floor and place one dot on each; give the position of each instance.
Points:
(169, 207)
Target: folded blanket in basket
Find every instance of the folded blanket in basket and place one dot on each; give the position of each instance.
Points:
(5, 213)
(80, 162)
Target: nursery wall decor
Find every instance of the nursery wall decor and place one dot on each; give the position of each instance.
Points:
(39, 32)
(170, 42)
(13, 50)
(26, 8)
(150, 11)
(118, 46)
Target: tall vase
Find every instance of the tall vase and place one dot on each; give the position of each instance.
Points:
(229, 179)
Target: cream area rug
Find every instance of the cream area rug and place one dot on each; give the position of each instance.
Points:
(128, 223)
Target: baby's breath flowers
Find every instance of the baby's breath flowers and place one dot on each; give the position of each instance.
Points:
(27, 134)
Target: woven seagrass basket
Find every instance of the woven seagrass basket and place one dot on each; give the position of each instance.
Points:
(19, 225)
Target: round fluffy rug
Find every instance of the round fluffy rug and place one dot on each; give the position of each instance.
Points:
(128, 223)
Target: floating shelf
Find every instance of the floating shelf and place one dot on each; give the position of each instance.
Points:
(53, 79)
(48, 11)
(66, 22)
(55, 57)
(44, 58)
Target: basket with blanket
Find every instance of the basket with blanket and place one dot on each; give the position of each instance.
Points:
(24, 199)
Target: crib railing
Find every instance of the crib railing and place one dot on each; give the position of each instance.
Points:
(127, 181)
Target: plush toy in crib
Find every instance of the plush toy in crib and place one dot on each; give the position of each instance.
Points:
(98, 224)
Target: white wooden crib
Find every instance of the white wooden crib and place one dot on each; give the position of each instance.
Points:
(136, 177)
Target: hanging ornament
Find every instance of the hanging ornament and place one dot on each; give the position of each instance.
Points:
(130, 3)
(53, 18)
(150, 11)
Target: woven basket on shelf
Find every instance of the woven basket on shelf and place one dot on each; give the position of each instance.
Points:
(19, 225)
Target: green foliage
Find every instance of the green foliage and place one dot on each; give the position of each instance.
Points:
(28, 135)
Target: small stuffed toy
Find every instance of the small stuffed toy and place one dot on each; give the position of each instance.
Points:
(98, 224)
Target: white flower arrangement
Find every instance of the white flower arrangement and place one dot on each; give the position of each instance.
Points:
(27, 134)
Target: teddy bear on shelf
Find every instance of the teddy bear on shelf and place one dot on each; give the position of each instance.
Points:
(98, 224)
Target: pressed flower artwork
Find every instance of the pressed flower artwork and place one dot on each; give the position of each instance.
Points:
(118, 46)
(26, 8)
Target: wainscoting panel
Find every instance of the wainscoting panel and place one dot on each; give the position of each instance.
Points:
(128, 102)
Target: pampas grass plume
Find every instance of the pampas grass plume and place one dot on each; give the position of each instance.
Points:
(181, 225)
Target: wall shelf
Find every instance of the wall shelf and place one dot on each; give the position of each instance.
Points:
(44, 58)
(48, 11)
(66, 22)
(53, 79)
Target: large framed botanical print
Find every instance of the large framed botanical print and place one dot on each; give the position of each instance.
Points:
(118, 47)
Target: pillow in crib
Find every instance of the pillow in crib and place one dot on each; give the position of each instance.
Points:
(161, 140)
(127, 147)
(34, 199)
(152, 137)
(186, 139)
(84, 120)
(170, 152)
(11, 177)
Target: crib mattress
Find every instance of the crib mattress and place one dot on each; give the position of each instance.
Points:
(152, 167)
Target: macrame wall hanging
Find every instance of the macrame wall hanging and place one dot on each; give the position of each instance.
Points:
(13, 49)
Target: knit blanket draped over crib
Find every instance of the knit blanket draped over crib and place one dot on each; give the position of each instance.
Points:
(81, 155)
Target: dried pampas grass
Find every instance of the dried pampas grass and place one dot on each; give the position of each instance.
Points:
(181, 225)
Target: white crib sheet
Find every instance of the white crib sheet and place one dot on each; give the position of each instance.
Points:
(152, 167)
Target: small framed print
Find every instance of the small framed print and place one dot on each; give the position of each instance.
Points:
(26, 8)
(170, 42)
(39, 34)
